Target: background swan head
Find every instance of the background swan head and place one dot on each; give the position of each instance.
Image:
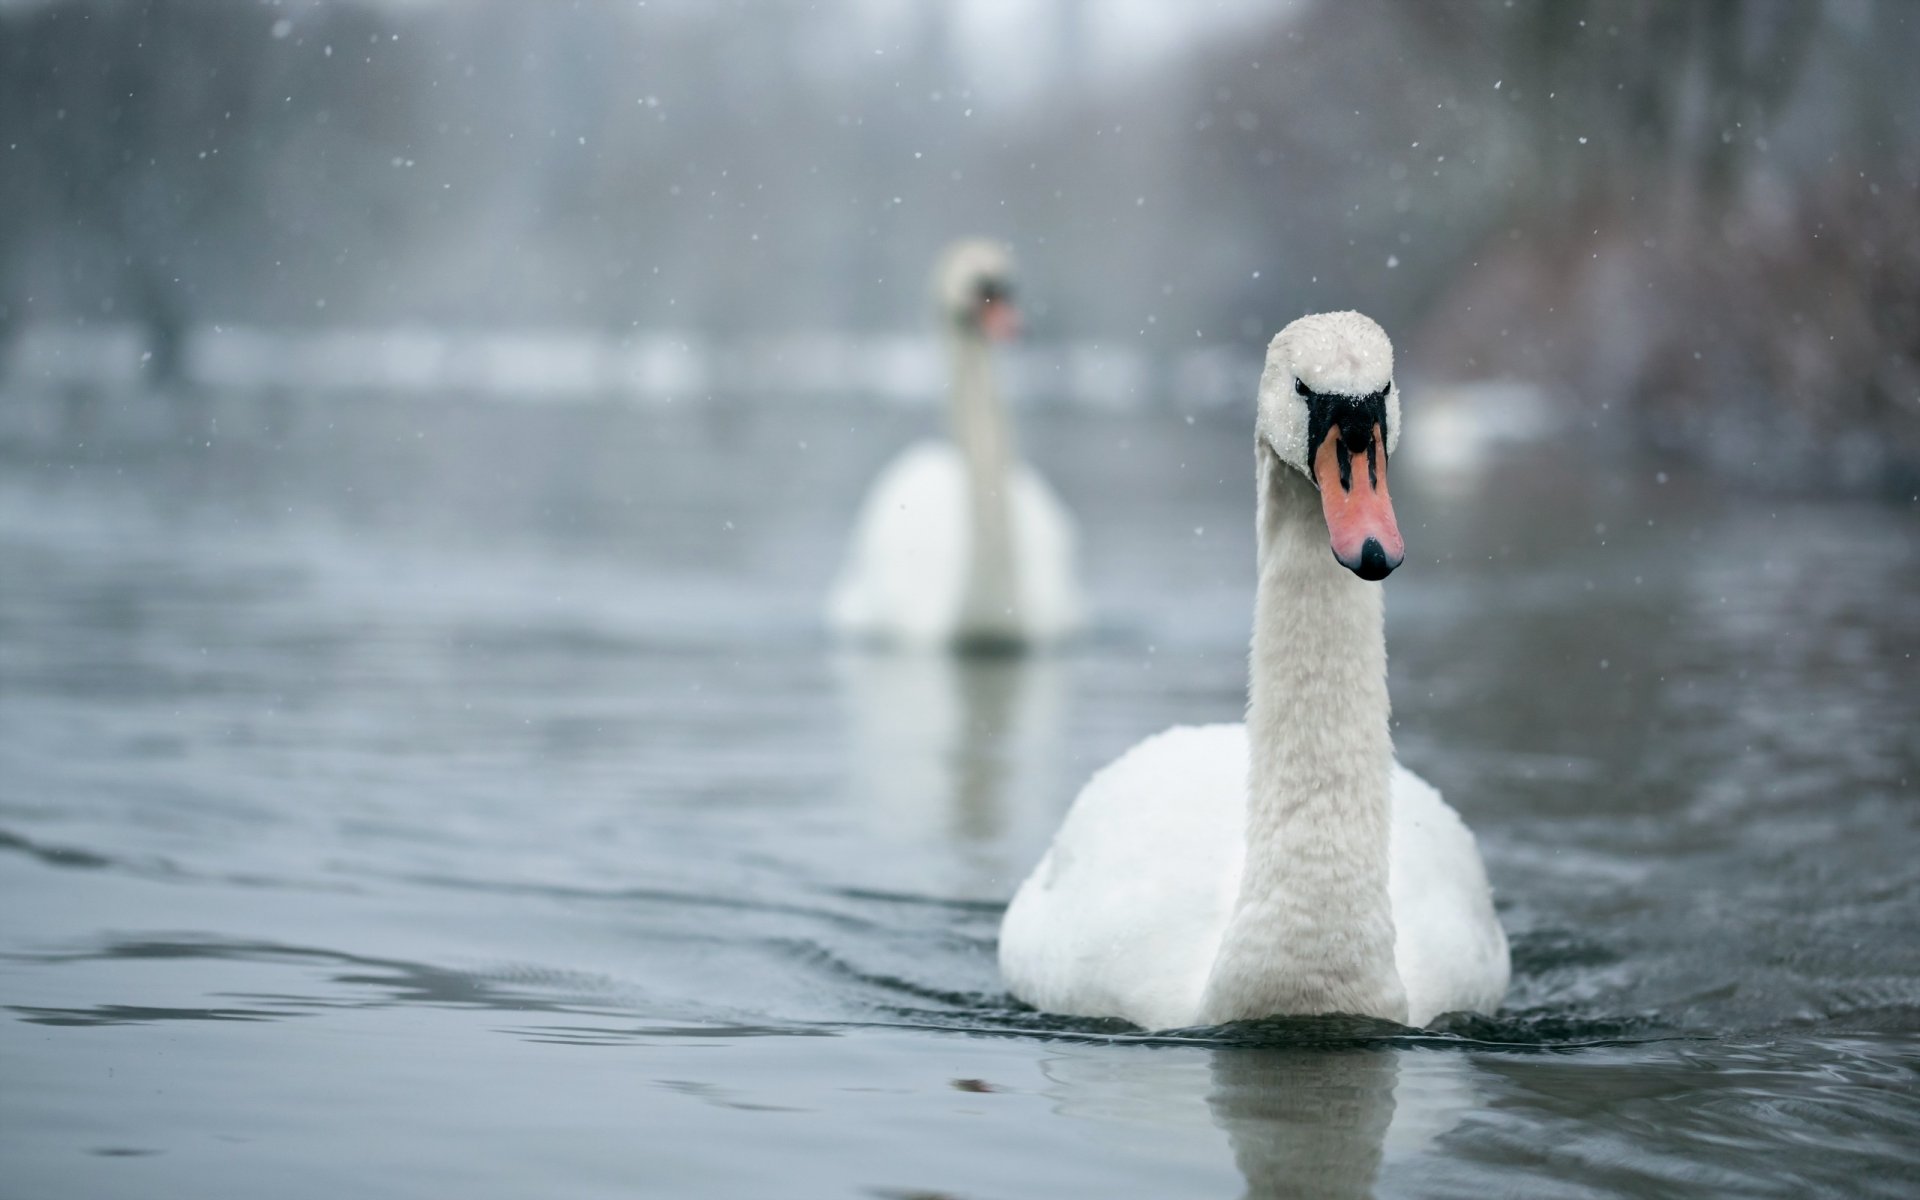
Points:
(1329, 410)
(973, 289)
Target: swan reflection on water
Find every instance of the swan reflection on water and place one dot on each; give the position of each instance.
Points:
(956, 752)
(1298, 1120)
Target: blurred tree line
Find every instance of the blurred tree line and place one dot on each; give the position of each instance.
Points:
(1695, 220)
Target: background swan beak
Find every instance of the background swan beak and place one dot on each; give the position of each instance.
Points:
(1353, 494)
(999, 319)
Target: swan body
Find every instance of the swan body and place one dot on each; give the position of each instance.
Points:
(1093, 932)
(905, 577)
(959, 542)
(1288, 866)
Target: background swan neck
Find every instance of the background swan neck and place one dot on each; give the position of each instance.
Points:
(1312, 930)
(989, 607)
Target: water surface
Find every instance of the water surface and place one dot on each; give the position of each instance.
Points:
(422, 798)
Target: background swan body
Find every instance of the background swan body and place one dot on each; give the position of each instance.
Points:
(905, 577)
(959, 542)
(1288, 866)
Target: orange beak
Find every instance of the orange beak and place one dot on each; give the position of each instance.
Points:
(999, 320)
(1353, 493)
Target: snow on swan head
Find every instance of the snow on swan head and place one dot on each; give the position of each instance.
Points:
(1328, 409)
(973, 289)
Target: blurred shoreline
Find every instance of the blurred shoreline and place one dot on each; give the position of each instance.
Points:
(1688, 226)
(656, 366)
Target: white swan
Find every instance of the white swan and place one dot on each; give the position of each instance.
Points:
(1289, 865)
(959, 542)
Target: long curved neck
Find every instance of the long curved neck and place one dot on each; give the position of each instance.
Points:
(988, 609)
(1312, 931)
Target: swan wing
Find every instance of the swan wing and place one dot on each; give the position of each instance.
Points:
(1124, 913)
(905, 572)
(1046, 541)
(902, 580)
(1448, 945)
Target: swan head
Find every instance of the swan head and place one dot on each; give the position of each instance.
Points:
(1329, 410)
(973, 289)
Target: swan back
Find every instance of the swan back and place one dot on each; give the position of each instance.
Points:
(904, 582)
(1126, 913)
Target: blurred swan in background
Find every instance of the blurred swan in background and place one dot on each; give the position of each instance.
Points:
(1288, 865)
(958, 542)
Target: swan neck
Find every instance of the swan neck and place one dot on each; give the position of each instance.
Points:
(980, 430)
(1312, 929)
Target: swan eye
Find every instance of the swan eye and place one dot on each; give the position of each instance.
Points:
(1300, 387)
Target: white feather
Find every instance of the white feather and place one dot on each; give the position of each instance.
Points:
(905, 576)
(959, 541)
(1285, 866)
(1125, 913)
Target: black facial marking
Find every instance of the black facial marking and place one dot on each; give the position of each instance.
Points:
(1356, 417)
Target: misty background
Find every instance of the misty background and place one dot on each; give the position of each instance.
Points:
(429, 430)
(1689, 225)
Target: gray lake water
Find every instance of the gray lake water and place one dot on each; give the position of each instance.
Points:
(410, 797)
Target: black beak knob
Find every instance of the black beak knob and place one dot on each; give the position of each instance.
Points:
(1374, 564)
